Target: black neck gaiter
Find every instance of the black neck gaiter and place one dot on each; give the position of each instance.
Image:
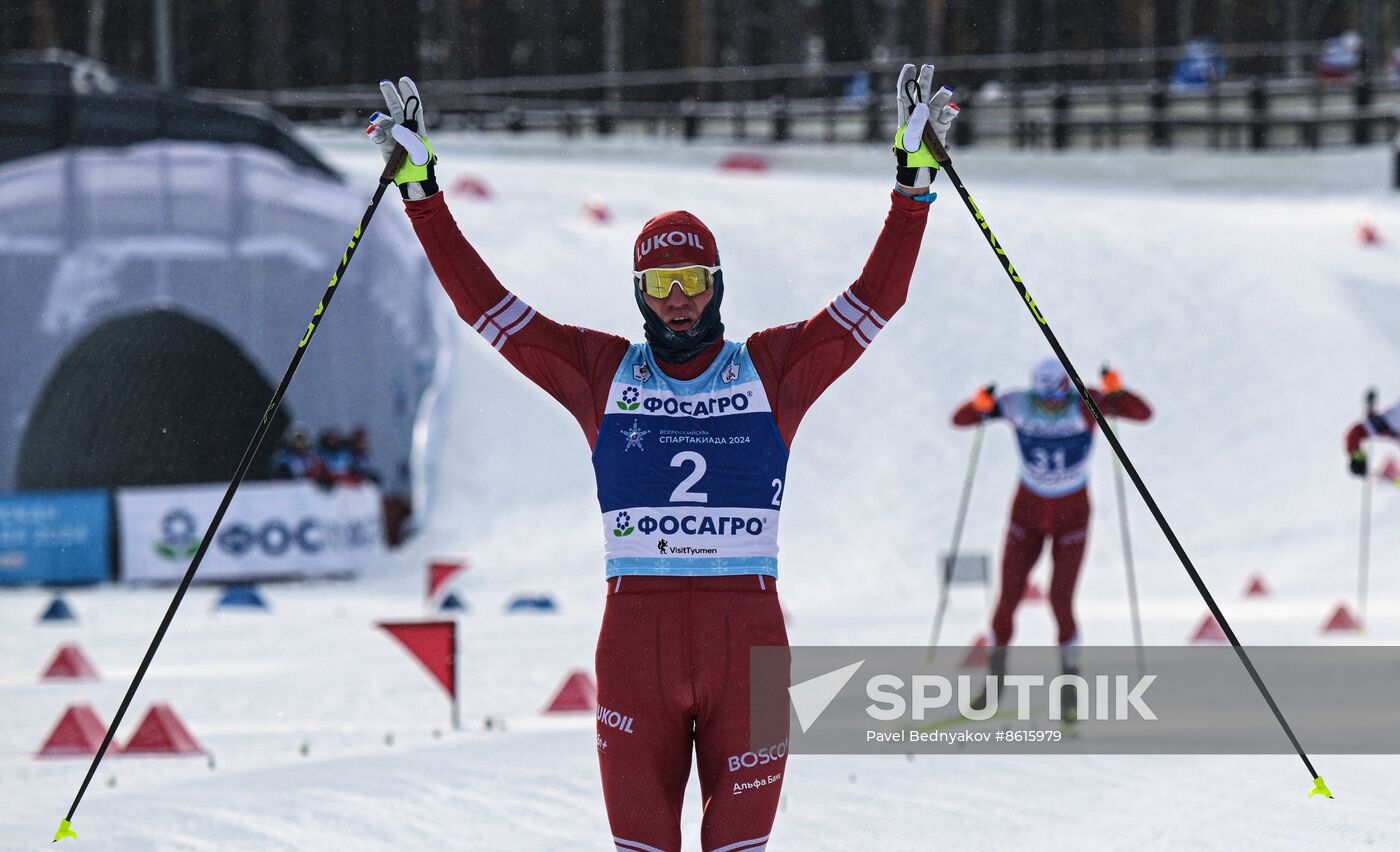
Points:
(677, 348)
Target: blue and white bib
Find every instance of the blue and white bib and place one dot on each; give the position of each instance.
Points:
(690, 473)
(1054, 445)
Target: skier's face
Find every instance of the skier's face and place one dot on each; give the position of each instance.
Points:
(679, 311)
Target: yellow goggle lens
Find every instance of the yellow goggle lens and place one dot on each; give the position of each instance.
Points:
(694, 280)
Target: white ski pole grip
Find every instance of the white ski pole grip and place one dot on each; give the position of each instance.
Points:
(914, 130)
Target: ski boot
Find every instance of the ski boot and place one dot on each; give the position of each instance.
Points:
(996, 667)
(1069, 693)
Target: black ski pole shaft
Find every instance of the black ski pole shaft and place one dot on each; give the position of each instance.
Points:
(952, 559)
(1364, 565)
(945, 162)
(1128, 566)
(385, 178)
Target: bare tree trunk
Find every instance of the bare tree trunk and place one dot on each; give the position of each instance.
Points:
(612, 44)
(43, 34)
(1371, 58)
(1227, 22)
(1292, 19)
(544, 59)
(789, 35)
(1006, 38)
(97, 17)
(162, 45)
(935, 42)
(1147, 22)
(699, 33)
(1049, 27)
(453, 38)
(1184, 24)
(1390, 22)
(1007, 34)
(959, 32)
(699, 39)
(884, 47)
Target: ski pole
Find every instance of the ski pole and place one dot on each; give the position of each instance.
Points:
(1364, 567)
(65, 827)
(1128, 557)
(945, 162)
(957, 537)
(1128, 564)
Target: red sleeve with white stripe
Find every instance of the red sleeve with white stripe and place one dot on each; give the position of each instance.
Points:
(798, 362)
(1387, 424)
(572, 364)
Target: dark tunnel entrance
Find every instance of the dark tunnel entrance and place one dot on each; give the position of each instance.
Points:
(152, 398)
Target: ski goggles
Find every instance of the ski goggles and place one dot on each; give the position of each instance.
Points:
(694, 280)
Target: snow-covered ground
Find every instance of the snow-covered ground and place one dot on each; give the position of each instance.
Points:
(1251, 319)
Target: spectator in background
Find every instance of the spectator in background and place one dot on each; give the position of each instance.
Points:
(294, 458)
(1340, 58)
(359, 457)
(335, 455)
(1200, 65)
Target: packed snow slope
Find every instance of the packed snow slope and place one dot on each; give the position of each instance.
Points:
(1247, 314)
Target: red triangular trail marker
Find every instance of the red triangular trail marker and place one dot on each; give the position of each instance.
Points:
(440, 574)
(161, 732)
(69, 664)
(1209, 631)
(1341, 621)
(1256, 588)
(977, 657)
(743, 162)
(78, 732)
(1033, 593)
(434, 644)
(471, 186)
(578, 694)
(596, 210)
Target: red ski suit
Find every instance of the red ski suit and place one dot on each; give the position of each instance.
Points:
(674, 651)
(1064, 520)
(1385, 424)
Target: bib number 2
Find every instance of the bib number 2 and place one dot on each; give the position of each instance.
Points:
(683, 494)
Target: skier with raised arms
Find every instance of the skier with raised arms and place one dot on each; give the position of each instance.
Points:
(1385, 424)
(1055, 433)
(690, 435)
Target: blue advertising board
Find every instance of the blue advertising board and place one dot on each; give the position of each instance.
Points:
(55, 537)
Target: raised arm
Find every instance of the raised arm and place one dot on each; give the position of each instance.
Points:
(572, 364)
(1122, 403)
(1116, 401)
(798, 362)
(983, 406)
(1385, 424)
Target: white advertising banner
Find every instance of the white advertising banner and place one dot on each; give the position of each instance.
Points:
(271, 529)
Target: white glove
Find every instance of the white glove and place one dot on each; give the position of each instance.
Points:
(405, 125)
(918, 105)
